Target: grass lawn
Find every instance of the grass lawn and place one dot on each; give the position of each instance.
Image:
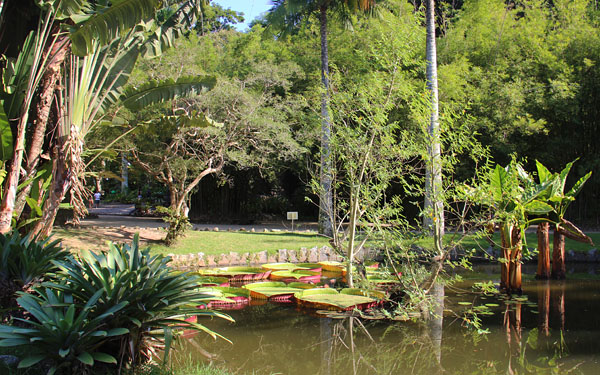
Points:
(194, 241)
(240, 242)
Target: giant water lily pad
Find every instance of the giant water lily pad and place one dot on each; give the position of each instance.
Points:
(279, 266)
(297, 275)
(225, 298)
(331, 299)
(333, 266)
(238, 273)
(213, 281)
(275, 291)
(315, 267)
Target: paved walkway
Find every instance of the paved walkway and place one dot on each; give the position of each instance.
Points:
(117, 215)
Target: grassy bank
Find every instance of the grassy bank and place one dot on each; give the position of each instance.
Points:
(471, 242)
(240, 242)
(194, 241)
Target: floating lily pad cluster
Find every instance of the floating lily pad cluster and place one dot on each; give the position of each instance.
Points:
(289, 283)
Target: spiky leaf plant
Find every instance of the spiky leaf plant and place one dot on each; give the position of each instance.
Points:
(157, 299)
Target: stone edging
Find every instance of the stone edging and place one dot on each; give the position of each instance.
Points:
(312, 255)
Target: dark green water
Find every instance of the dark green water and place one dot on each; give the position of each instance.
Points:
(556, 329)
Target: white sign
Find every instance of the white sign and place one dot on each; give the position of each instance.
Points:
(292, 215)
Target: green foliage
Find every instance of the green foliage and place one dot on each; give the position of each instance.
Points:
(6, 138)
(158, 92)
(60, 332)
(27, 260)
(178, 224)
(155, 300)
(109, 22)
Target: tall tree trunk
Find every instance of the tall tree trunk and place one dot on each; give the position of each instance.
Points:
(48, 84)
(543, 267)
(124, 173)
(12, 178)
(559, 269)
(433, 220)
(61, 182)
(326, 196)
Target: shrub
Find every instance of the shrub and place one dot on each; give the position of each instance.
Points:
(178, 224)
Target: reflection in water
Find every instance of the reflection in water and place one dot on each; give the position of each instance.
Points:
(527, 335)
(436, 321)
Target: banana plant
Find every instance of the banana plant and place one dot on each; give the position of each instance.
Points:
(555, 196)
(513, 204)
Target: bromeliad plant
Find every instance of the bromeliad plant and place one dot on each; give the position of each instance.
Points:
(157, 299)
(25, 261)
(63, 334)
(118, 307)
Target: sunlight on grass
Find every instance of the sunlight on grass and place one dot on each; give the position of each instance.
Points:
(240, 242)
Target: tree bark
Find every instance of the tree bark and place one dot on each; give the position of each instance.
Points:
(506, 255)
(48, 84)
(326, 194)
(559, 268)
(61, 182)
(515, 261)
(543, 267)
(433, 220)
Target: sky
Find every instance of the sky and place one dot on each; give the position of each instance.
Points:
(250, 8)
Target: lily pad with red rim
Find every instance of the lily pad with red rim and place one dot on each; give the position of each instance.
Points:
(298, 275)
(274, 291)
(344, 300)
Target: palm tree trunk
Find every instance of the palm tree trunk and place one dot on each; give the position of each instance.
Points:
(433, 220)
(559, 268)
(61, 182)
(326, 196)
(543, 268)
(48, 84)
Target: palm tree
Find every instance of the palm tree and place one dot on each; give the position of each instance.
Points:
(101, 26)
(433, 220)
(286, 15)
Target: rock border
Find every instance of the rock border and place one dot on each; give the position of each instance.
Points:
(304, 255)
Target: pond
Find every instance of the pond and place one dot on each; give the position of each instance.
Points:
(553, 328)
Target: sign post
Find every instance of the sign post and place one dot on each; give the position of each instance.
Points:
(292, 216)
